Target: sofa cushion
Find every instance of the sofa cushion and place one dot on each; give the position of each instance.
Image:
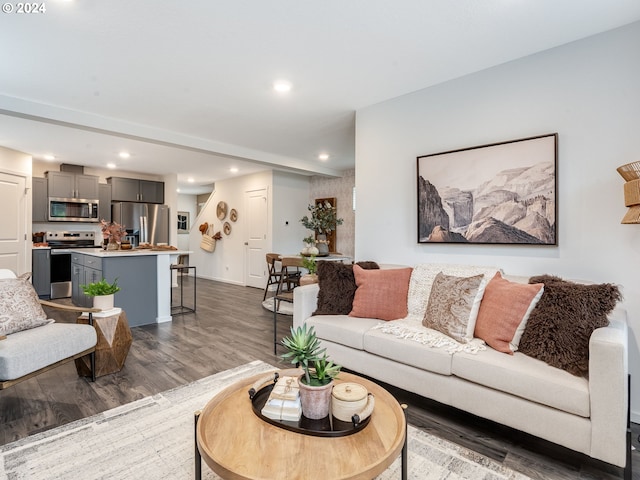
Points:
(19, 306)
(526, 377)
(381, 293)
(422, 279)
(561, 324)
(504, 311)
(19, 354)
(402, 350)
(453, 305)
(337, 286)
(348, 331)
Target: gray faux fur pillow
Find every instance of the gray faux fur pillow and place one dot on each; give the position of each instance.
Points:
(562, 322)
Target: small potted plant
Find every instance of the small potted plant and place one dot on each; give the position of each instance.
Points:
(102, 293)
(309, 246)
(312, 267)
(317, 381)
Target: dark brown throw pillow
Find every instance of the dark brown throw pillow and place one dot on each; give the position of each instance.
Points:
(337, 287)
(562, 322)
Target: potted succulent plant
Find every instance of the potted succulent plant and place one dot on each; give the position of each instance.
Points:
(102, 293)
(312, 267)
(317, 381)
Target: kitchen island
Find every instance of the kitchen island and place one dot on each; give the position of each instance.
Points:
(143, 275)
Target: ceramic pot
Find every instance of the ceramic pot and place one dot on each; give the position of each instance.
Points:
(308, 279)
(348, 399)
(322, 244)
(103, 302)
(316, 401)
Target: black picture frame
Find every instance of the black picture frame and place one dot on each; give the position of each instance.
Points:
(501, 193)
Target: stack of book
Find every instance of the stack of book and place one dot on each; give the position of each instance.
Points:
(284, 401)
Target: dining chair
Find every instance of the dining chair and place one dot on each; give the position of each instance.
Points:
(273, 273)
(290, 277)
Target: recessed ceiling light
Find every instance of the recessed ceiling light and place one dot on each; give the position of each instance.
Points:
(323, 156)
(111, 165)
(49, 157)
(124, 154)
(190, 180)
(282, 86)
(178, 190)
(233, 169)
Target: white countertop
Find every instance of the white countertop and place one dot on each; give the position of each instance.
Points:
(99, 252)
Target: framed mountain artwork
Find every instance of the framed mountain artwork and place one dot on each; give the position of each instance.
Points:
(502, 193)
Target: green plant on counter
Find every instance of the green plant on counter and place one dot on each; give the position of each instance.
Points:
(310, 264)
(100, 288)
(304, 350)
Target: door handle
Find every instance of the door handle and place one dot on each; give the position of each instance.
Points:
(246, 244)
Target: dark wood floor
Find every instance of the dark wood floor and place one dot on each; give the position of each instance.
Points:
(231, 328)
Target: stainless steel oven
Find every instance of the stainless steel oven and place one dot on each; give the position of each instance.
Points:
(60, 264)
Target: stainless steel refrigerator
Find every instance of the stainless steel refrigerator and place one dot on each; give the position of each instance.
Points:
(144, 222)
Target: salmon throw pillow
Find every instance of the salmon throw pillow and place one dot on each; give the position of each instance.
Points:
(504, 312)
(381, 294)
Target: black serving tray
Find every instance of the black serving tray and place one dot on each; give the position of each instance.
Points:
(328, 426)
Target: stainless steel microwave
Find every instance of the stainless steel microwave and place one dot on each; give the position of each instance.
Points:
(72, 210)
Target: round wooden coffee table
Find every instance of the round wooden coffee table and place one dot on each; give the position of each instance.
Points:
(236, 444)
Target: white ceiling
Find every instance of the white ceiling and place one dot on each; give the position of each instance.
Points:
(186, 87)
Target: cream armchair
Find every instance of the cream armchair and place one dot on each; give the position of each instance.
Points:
(31, 344)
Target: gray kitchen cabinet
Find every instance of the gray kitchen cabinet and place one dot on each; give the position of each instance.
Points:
(85, 269)
(72, 185)
(39, 200)
(41, 271)
(151, 192)
(104, 209)
(77, 279)
(135, 190)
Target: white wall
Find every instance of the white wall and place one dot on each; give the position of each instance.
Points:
(287, 196)
(186, 203)
(290, 200)
(226, 263)
(586, 91)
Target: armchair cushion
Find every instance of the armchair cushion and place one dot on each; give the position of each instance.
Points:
(19, 306)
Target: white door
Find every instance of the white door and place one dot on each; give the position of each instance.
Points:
(13, 228)
(256, 227)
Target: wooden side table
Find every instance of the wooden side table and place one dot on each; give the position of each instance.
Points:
(114, 340)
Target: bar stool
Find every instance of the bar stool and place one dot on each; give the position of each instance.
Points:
(182, 269)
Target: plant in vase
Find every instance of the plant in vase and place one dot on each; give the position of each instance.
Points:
(112, 234)
(323, 219)
(303, 349)
(312, 268)
(102, 293)
(309, 246)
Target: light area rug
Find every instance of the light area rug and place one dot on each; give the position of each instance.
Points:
(153, 438)
(284, 308)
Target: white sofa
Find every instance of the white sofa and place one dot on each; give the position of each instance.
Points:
(585, 415)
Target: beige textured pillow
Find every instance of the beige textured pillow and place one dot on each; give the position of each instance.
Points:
(504, 311)
(19, 306)
(453, 305)
(381, 294)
